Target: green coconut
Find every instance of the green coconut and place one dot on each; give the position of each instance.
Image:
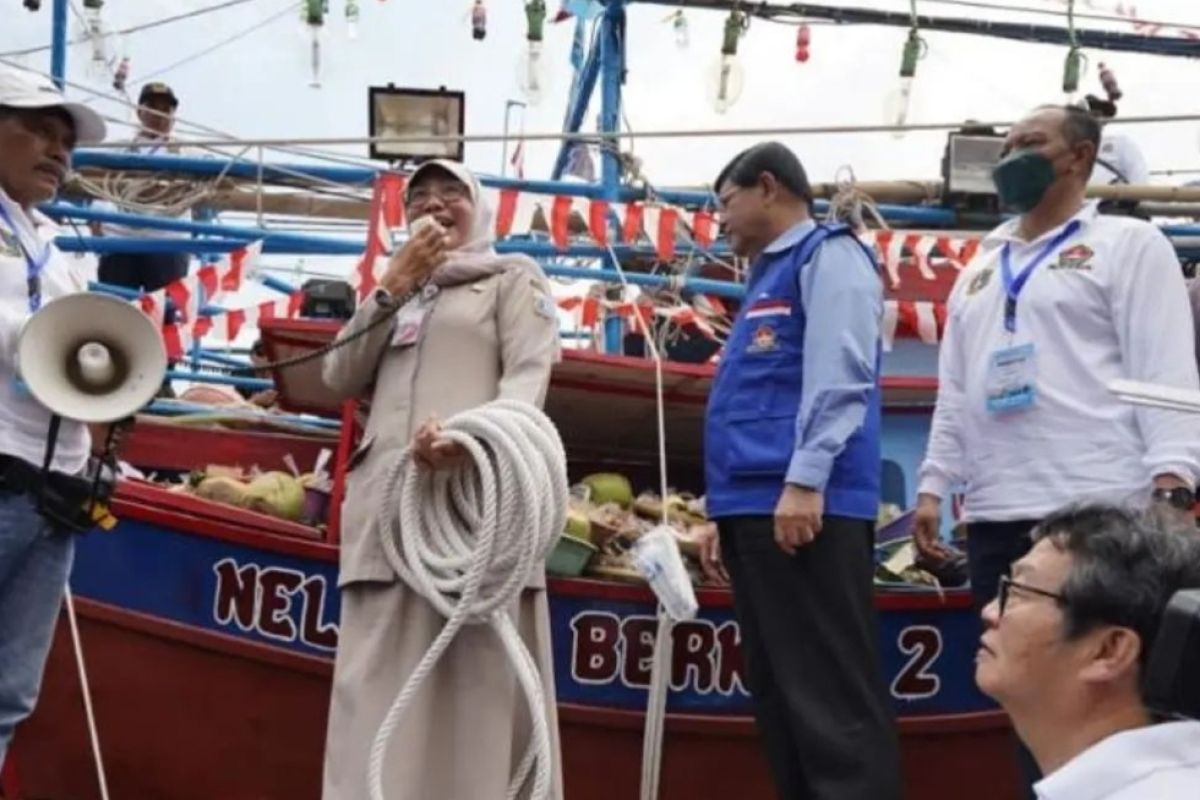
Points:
(609, 487)
(222, 489)
(578, 525)
(276, 493)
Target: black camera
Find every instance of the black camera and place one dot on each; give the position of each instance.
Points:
(1171, 686)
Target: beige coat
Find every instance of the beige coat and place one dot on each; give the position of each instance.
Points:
(488, 339)
(466, 731)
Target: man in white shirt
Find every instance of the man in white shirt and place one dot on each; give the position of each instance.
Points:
(149, 272)
(38, 130)
(1060, 301)
(1065, 648)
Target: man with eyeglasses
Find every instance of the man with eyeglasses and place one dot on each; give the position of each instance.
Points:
(38, 130)
(792, 479)
(1065, 649)
(1060, 301)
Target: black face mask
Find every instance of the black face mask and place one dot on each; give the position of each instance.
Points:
(1022, 179)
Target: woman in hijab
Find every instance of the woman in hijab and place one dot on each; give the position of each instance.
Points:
(482, 327)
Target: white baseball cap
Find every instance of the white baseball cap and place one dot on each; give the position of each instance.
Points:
(21, 88)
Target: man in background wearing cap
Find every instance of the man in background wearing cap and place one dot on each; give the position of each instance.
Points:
(146, 271)
(38, 130)
(1120, 160)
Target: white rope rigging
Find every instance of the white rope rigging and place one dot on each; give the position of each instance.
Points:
(664, 641)
(86, 691)
(468, 540)
(851, 204)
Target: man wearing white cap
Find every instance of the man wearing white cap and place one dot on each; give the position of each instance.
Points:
(38, 130)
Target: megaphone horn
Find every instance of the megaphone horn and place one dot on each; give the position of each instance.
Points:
(91, 358)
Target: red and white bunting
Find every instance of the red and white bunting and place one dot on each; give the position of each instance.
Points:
(179, 337)
(912, 319)
(589, 311)
(207, 284)
(386, 214)
(902, 319)
(210, 281)
(515, 211)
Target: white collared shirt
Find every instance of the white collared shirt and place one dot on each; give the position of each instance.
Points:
(24, 422)
(1158, 762)
(1109, 303)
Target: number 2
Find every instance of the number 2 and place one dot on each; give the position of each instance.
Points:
(922, 644)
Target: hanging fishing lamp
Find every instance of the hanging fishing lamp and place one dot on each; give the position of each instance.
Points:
(478, 21)
(803, 39)
(900, 99)
(1073, 68)
(531, 77)
(679, 26)
(727, 78)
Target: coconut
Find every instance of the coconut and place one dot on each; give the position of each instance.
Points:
(276, 493)
(578, 525)
(222, 489)
(609, 487)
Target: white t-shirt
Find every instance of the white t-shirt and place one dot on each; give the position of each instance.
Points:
(1158, 762)
(1110, 302)
(24, 423)
(1119, 154)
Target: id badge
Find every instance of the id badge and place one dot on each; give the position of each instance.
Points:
(409, 321)
(1011, 380)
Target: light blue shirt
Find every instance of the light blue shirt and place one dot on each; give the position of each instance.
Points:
(842, 296)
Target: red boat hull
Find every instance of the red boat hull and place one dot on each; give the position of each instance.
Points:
(195, 716)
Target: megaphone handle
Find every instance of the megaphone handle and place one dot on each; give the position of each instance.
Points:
(112, 442)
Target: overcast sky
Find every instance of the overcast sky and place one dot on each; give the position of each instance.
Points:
(258, 86)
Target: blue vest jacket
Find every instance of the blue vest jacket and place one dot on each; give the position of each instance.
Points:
(750, 424)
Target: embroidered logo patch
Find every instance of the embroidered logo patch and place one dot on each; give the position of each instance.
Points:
(980, 280)
(9, 245)
(1077, 257)
(544, 306)
(764, 340)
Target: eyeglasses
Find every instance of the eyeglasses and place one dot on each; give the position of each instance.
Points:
(449, 193)
(1007, 584)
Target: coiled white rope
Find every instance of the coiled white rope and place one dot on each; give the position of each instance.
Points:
(468, 540)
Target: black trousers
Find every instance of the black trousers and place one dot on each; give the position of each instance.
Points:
(810, 644)
(992, 547)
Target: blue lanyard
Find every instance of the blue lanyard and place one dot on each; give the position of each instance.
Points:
(33, 264)
(1014, 285)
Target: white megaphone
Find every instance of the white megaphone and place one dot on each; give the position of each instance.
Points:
(91, 358)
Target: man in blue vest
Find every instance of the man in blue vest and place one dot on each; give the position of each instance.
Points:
(792, 468)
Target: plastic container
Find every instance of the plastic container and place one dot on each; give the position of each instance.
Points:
(569, 556)
(316, 505)
(657, 557)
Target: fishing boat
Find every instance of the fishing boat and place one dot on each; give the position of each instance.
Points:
(208, 631)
